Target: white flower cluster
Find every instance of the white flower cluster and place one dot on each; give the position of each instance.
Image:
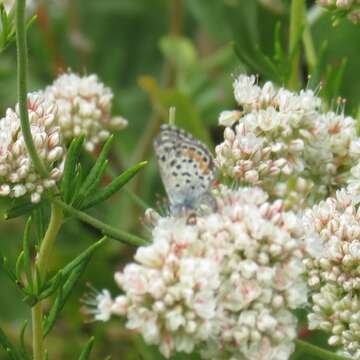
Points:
(223, 284)
(283, 143)
(17, 173)
(353, 181)
(351, 7)
(332, 231)
(84, 107)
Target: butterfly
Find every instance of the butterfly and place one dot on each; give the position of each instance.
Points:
(186, 169)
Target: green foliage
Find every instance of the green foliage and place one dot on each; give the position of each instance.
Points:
(69, 180)
(65, 280)
(113, 187)
(149, 68)
(7, 27)
(87, 349)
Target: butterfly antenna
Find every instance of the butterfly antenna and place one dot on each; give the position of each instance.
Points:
(172, 114)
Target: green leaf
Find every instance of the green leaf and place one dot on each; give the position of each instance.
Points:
(7, 28)
(94, 184)
(49, 290)
(315, 76)
(84, 256)
(66, 290)
(87, 349)
(19, 265)
(70, 168)
(23, 350)
(29, 298)
(77, 183)
(97, 170)
(20, 209)
(27, 256)
(55, 310)
(114, 186)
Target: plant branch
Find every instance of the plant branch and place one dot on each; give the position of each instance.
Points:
(22, 62)
(311, 349)
(297, 15)
(37, 332)
(49, 238)
(107, 230)
(41, 268)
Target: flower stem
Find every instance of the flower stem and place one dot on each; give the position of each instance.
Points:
(41, 268)
(22, 62)
(37, 332)
(297, 14)
(107, 230)
(49, 238)
(311, 349)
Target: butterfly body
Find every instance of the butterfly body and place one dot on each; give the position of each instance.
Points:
(186, 168)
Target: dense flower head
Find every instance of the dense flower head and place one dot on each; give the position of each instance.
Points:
(332, 231)
(17, 173)
(349, 7)
(84, 107)
(222, 283)
(284, 143)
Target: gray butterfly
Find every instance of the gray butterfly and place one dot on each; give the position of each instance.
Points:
(187, 170)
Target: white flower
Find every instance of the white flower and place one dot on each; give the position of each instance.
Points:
(247, 94)
(84, 105)
(17, 173)
(351, 7)
(285, 144)
(333, 273)
(224, 285)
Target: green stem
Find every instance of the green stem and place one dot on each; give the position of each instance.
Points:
(311, 349)
(41, 267)
(37, 332)
(22, 62)
(49, 238)
(297, 14)
(108, 230)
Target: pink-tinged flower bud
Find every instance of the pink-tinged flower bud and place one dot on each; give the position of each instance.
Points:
(18, 175)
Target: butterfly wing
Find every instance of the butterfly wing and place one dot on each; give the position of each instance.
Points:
(186, 167)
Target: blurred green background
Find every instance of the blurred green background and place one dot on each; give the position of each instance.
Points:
(153, 54)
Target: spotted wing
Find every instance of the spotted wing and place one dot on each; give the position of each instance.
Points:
(186, 167)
